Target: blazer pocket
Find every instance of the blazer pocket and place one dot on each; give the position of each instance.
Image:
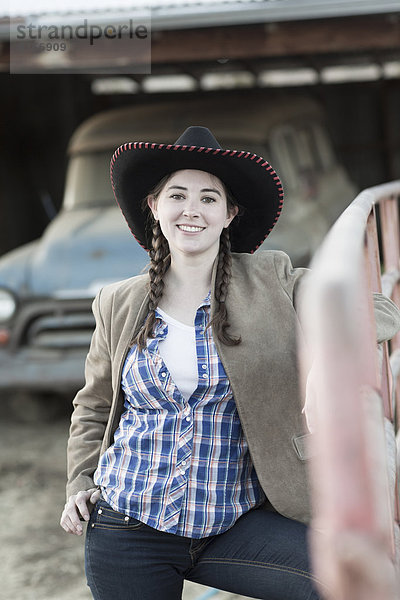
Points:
(302, 447)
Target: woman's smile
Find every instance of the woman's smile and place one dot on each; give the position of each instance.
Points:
(190, 228)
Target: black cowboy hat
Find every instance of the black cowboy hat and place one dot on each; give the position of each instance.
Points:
(136, 167)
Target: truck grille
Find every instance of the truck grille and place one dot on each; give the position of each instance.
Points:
(54, 324)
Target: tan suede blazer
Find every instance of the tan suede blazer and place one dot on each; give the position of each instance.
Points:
(263, 302)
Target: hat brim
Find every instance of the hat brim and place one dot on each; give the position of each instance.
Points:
(136, 167)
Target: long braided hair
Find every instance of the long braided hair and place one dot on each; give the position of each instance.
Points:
(160, 260)
(220, 321)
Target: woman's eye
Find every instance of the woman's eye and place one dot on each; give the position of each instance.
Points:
(208, 199)
(176, 196)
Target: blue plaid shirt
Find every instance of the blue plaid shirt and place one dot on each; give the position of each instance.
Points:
(180, 466)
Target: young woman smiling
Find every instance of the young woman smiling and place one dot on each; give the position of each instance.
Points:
(190, 213)
(181, 454)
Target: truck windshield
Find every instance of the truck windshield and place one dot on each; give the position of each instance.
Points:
(88, 181)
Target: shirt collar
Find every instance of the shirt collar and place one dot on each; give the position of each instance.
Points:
(207, 300)
(161, 327)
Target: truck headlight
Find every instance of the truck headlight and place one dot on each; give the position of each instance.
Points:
(8, 305)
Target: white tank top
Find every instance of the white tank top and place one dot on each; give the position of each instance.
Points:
(178, 351)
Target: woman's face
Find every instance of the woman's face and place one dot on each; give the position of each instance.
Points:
(192, 211)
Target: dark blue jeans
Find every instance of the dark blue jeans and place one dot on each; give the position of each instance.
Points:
(264, 555)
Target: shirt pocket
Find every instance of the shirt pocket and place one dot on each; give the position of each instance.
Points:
(144, 385)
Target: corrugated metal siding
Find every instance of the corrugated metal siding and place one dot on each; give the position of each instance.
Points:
(191, 9)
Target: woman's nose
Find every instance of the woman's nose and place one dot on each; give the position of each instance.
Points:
(191, 209)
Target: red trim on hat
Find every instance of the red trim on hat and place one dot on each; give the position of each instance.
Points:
(241, 154)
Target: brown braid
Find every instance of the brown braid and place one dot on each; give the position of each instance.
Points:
(220, 321)
(160, 258)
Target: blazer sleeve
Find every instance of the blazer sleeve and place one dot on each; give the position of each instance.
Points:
(294, 281)
(91, 410)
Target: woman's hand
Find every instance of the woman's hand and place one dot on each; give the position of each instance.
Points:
(77, 507)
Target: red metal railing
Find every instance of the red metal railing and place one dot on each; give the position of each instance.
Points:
(355, 402)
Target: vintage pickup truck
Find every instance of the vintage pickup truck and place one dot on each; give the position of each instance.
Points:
(47, 286)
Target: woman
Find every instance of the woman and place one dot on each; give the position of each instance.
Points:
(184, 436)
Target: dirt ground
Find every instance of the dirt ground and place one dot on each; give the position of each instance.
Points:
(38, 560)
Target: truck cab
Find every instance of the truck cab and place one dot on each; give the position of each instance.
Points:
(47, 286)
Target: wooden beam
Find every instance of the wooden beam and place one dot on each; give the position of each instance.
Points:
(278, 39)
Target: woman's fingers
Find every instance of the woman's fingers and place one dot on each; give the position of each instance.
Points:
(69, 523)
(77, 507)
(95, 496)
(81, 501)
(69, 526)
